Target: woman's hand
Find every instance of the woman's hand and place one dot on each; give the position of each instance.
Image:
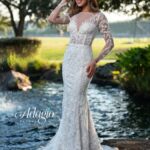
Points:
(64, 1)
(55, 17)
(91, 68)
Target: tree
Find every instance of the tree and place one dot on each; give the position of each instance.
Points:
(4, 24)
(140, 8)
(38, 9)
(35, 9)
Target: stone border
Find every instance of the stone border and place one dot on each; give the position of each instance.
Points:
(128, 144)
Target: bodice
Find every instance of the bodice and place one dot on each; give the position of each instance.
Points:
(83, 28)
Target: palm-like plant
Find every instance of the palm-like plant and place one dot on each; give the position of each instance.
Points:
(5, 24)
(135, 70)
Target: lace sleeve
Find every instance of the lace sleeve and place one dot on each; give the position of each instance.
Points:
(55, 16)
(103, 27)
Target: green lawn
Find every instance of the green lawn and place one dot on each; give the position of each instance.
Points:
(52, 49)
(51, 52)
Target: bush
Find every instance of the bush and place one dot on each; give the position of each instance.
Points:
(7, 63)
(135, 70)
(20, 46)
(37, 66)
(29, 64)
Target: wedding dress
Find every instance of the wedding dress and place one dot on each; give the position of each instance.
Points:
(76, 130)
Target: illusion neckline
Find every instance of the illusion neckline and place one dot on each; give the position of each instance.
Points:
(85, 21)
(89, 12)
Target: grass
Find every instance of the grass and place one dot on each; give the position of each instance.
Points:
(51, 51)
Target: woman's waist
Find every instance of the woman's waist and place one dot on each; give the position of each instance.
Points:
(80, 51)
(79, 45)
(81, 39)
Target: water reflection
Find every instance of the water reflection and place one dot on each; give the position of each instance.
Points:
(114, 113)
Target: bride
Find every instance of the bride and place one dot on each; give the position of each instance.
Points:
(76, 130)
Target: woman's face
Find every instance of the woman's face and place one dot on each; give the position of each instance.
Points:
(81, 3)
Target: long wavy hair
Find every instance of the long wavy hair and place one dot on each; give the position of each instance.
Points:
(74, 9)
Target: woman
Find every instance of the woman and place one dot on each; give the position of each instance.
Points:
(76, 130)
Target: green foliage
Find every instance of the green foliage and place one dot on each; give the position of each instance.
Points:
(139, 8)
(37, 8)
(41, 9)
(135, 70)
(37, 65)
(4, 65)
(9, 62)
(20, 46)
(4, 24)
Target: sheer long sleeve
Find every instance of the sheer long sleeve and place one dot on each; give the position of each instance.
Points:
(104, 28)
(55, 16)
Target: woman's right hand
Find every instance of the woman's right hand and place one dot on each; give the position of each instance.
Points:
(64, 1)
(55, 17)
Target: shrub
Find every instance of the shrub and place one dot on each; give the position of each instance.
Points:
(7, 62)
(20, 46)
(28, 64)
(135, 70)
(37, 65)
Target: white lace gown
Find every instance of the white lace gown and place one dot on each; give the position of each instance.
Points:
(76, 130)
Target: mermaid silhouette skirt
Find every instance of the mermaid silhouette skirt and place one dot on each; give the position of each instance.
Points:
(76, 129)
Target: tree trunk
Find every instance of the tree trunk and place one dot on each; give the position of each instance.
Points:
(18, 29)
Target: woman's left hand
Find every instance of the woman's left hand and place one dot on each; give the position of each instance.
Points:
(91, 68)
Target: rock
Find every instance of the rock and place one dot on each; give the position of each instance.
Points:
(106, 71)
(52, 75)
(13, 80)
(104, 75)
(128, 144)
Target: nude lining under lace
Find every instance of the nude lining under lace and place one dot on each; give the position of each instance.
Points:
(80, 23)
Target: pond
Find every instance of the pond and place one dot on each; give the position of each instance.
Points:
(29, 119)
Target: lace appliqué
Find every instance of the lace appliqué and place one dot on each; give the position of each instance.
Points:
(83, 31)
(104, 28)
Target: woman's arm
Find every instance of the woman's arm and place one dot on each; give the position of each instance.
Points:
(105, 30)
(54, 16)
(103, 27)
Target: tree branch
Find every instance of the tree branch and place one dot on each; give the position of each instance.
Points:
(6, 2)
(11, 16)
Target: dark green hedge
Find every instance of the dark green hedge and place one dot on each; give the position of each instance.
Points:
(135, 71)
(20, 46)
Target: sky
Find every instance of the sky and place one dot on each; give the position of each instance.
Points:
(112, 17)
(118, 16)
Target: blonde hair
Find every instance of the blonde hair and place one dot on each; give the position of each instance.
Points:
(74, 9)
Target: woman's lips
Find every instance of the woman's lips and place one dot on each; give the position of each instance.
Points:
(78, 1)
